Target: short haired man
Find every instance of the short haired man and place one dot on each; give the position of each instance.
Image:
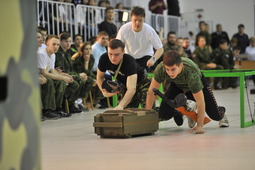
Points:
(52, 101)
(130, 75)
(140, 39)
(99, 47)
(108, 24)
(184, 76)
(81, 85)
(243, 39)
(78, 39)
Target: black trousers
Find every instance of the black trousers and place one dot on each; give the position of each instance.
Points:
(166, 112)
(143, 61)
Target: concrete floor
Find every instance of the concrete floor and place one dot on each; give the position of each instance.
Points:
(71, 144)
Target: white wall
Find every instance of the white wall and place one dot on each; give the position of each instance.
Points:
(229, 13)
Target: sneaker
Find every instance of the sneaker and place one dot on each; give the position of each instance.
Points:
(51, 115)
(99, 106)
(62, 114)
(191, 122)
(43, 118)
(178, 119)
(73, 109)
(224, 122)
(82, 107)
(221, 111)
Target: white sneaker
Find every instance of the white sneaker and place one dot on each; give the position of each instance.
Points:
(191, 106)
(224, 122)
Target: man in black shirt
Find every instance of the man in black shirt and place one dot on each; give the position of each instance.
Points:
(243, 39)
(107, 25)
(218, 35)
(128, 73)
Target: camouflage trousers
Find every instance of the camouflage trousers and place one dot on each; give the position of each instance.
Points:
(52, 93)
(140, 94)
(78, 89)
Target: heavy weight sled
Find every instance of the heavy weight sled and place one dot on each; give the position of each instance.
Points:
(126, 123)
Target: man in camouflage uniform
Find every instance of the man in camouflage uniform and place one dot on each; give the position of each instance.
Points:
(224, 57)
(81, 85)
(53, 84)
(184, 77)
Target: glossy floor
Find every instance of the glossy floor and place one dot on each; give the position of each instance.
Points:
(71, 144)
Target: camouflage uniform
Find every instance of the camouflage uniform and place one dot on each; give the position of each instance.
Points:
(225, 58)
(202, 57)
(76, 89)
(189, 81)
(52, 93)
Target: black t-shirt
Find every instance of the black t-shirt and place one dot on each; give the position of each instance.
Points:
(129, 67)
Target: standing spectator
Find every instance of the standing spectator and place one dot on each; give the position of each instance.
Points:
(243, 39)
(108, 24)
(140, 39)
(157, 6)
(99, 47)
(173, 8)
(120, 13)
(218, 35)
(204, 33)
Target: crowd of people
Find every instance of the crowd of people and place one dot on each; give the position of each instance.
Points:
(68, 72)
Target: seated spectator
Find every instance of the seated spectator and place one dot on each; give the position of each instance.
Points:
(202, 57)
(107, 25)
(63, 62)
(78, 39)
(250, 50)
(54, 87)
(83, 63)
(224, 57)
(43, 32)
(99, 47)
(39, 39)
(186, 47)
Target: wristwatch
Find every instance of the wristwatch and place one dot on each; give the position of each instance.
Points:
(154, 59)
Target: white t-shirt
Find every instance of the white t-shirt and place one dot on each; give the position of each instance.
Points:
(250, 51)
(139, 44)
(44, 61)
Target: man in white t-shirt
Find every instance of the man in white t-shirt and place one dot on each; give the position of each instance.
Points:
(52, 101)
(140, 39)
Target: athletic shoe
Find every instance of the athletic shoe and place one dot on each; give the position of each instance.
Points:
(82, 107)
(62, 114)
(51, 115)
(191, 122)
(224, 122)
